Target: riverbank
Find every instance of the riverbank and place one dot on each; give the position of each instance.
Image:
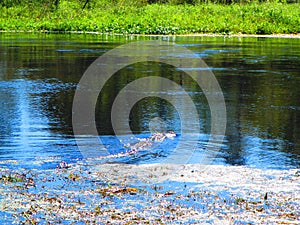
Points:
(155, 35)
(87, 192)
(159, 19)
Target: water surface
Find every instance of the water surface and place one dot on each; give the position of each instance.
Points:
(259, 77)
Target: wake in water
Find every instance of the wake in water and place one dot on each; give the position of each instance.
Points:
(143, 144)
(147, 143)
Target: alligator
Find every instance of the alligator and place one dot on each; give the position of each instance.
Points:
(147, 143)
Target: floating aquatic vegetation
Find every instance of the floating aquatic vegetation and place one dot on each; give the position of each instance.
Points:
(13, 178)
(117, 194)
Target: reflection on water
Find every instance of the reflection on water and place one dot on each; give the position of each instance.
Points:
(259, 77)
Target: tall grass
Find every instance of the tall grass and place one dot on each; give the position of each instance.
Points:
(140, 17)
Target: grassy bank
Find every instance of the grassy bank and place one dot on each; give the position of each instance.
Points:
(143, 18)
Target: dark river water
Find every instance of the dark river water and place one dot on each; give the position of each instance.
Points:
(259, 77)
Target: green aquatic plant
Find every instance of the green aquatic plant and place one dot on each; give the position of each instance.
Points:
(239, 200)
(73, 176)
(29, 218)
(13, 178)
